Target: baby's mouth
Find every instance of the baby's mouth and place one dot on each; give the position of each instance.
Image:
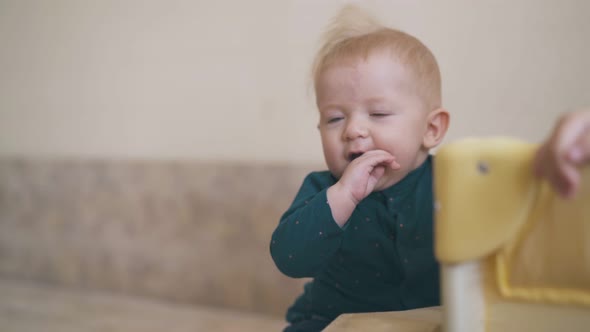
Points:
(355, 155)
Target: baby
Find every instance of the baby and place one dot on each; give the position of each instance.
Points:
(363, 229)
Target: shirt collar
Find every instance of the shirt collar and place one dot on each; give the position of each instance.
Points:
(408, 183)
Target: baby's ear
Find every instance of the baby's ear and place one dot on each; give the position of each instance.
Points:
(437, 123)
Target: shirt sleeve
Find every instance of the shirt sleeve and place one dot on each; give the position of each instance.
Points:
(307, 234)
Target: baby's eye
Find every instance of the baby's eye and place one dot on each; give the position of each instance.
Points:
(334, 119)
(379, 114)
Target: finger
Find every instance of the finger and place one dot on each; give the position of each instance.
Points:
(558, 182)
(568, 131)
(377, 153)
(374, 177)
(377, 173)
(561, 176)
(376, 157)
(390, 161)
(570, 178)
(382, 157)
(579, 153)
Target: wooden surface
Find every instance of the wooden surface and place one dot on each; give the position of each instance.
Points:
(418, 320)
(530, 317)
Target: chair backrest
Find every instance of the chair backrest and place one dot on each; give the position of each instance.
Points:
(506, 240)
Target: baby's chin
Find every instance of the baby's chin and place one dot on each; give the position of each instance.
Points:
(336, 174)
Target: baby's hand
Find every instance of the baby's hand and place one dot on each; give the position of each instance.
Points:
(567, 149)
(358, 181)
(363, 173)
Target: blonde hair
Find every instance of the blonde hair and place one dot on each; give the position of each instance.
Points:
(355, 33)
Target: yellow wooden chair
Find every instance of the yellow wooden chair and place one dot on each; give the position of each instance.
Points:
(514, 256)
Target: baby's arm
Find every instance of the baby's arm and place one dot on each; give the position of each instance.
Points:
(307, 235)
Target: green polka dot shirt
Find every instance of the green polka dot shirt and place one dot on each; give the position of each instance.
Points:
(381, 260)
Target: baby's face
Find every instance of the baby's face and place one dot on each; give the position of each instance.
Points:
(371, 105)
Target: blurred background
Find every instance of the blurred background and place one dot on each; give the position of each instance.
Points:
(229, 80)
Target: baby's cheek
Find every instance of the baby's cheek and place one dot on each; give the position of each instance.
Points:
(336, 167)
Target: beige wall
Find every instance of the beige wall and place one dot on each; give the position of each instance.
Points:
(228, 79)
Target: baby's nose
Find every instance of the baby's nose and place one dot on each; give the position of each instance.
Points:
(355, 129)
